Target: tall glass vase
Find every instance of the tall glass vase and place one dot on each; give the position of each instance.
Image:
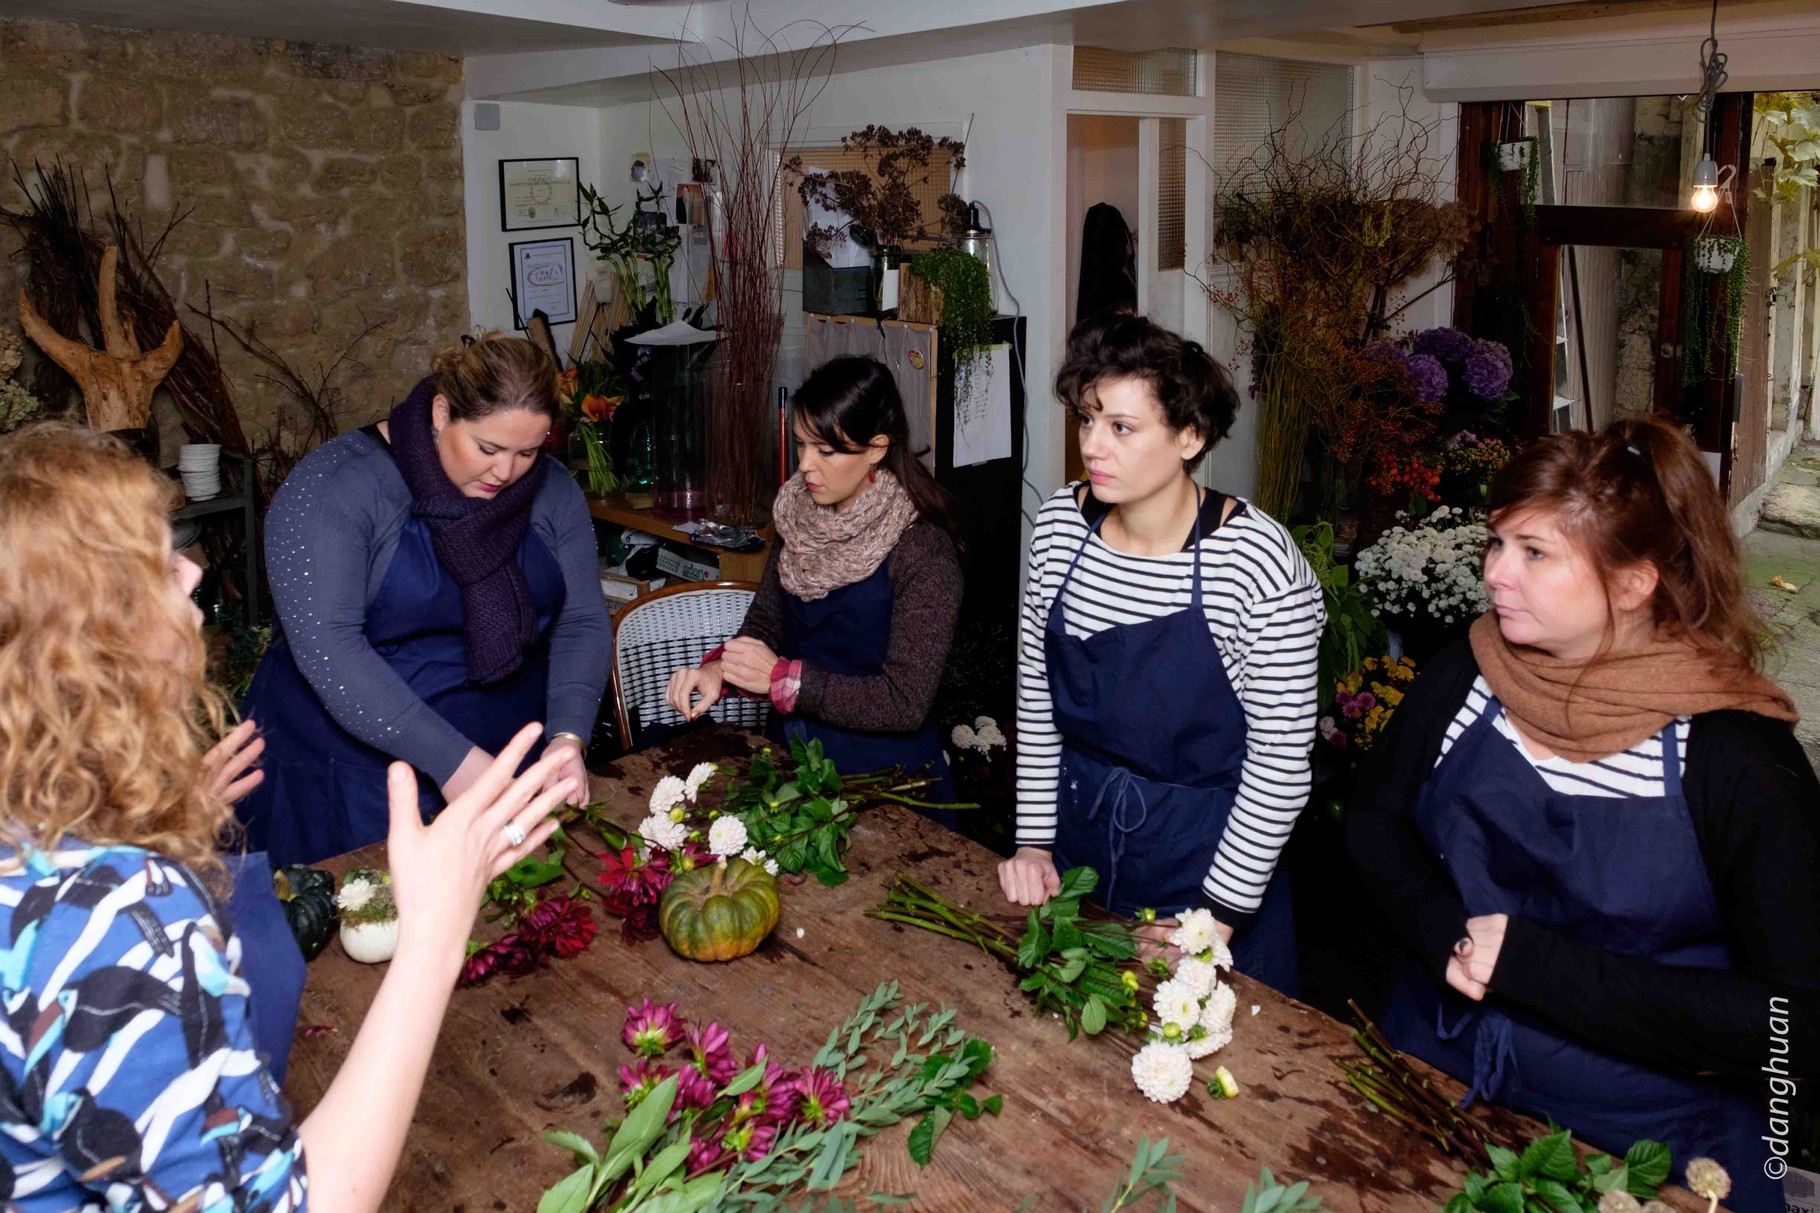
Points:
(680, 430)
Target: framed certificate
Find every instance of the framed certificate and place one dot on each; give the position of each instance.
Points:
(543, 280)
(540, 193)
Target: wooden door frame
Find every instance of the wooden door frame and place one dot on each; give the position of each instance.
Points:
(1528, 265)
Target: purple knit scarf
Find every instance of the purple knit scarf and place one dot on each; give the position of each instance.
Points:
(476, 540)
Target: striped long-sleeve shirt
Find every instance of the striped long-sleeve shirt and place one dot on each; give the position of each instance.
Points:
(1264, 609)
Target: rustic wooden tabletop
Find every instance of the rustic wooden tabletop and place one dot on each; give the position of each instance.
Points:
(543, 1052)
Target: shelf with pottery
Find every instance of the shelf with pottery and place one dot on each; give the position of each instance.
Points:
(734, 566)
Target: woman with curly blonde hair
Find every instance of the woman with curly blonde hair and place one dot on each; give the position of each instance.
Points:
(128, 1063)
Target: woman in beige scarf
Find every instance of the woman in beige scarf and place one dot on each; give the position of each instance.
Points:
(851, 626)
(1594, 827)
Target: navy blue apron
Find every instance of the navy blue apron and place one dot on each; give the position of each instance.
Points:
(324, 792)
(1624, 874)
(1153, 742)
(848, 632)
(270, 960)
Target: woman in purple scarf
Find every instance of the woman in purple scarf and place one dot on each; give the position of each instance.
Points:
(436, 583)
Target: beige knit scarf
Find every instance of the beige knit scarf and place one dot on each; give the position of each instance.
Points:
(1586, 710)
(824, 548)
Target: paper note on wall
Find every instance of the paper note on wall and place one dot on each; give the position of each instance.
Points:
(982, 410)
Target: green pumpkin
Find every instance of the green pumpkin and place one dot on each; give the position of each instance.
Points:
(308, 897)
(719, 911)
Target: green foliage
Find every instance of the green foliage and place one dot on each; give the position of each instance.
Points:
(1702, 353)
(1269, 1196)
(802, 814)
(1353, 629)
(932, 1063)
(1791, 124)
(1547, 1177)
(625, 247)
(966, 319)
(1077, 968)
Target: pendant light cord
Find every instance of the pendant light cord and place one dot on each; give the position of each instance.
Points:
(1712, 68)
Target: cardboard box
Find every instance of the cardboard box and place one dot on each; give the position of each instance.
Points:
(619, 589)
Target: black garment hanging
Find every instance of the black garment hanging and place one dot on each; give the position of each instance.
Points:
(1108, 264)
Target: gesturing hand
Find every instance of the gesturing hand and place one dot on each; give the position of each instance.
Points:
(1475, 957)
(441, 871)
(225, 766)
(686, 684)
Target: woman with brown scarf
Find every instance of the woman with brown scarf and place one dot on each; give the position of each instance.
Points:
(851, 626)
(1595, 828)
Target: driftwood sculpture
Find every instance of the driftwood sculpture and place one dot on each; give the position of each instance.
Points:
(117, 381)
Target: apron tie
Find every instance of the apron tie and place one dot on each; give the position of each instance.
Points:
(1123, 787)
(1494, 1057)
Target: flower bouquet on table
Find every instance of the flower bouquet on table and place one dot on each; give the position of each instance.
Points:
(702, 1130)
(1426, 576)
(702, 867)
(1087, 973)
(589, 393)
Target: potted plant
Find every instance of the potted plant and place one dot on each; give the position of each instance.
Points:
(878, 202)
(953, 291)
(630, 249)
(589, 393)
(1711, 336)
(369, 916)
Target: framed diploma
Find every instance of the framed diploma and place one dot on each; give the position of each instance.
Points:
(543, 280)
(540, 193)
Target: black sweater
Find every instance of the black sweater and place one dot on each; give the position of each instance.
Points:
(1756, 813)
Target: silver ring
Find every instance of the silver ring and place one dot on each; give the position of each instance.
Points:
(515, 834)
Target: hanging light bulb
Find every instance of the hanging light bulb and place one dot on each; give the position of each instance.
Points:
(1706, 185)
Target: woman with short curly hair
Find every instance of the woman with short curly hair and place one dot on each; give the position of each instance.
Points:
(131, 1069)
(1166, 691)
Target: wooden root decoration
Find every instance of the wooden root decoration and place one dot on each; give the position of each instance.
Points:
(117, 382)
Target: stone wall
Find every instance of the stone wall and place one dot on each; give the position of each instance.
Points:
(323, 185)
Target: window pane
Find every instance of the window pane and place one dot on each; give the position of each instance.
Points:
(1615, 151)
(1253, 97)
(1172, 193)
(1169, 72)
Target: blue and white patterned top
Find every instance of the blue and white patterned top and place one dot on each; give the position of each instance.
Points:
(128, 1078)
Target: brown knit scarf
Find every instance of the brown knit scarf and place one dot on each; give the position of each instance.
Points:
(824, 548)
(1586, 710)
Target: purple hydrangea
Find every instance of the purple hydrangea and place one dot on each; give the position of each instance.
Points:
(1429, 375)
(1487, 370)
(1447, 344)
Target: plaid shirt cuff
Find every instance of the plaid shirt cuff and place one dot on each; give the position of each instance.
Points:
(786, 684)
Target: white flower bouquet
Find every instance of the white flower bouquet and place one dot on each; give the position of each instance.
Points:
(1428, 569)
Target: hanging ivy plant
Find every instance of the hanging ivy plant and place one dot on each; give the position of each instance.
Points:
(1702, 328)
(966, 318)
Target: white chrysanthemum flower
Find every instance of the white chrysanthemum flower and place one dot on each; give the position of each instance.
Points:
(964, 737)
(990, 736)
(727, 836)
(1211, 1041)
(354, 895)
(668, 794)
(1163, 1072)
(985, 722)
(771, 866)
(703, 772)
(1222, 955)
(1176, 1003)
(1216, 1015)
(1195, 932)
(1197, 974)
(753, 856)
(660, 831)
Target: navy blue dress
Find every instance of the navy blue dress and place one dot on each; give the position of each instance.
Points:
(1625, 874)
(325, 789)
(1153, 743)
(848, 632)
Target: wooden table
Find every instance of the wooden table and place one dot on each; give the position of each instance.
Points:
(518, 1058)
(734, 566)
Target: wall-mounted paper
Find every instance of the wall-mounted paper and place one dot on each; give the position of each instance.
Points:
(982, 422)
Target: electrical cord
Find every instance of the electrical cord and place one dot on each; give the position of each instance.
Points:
(1017, 352)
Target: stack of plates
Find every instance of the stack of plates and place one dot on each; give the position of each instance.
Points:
(200, 466)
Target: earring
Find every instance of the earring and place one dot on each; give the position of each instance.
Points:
(872, 476)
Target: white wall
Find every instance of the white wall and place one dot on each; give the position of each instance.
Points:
(525, 132)
(1391, 98)
(1001, 103)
